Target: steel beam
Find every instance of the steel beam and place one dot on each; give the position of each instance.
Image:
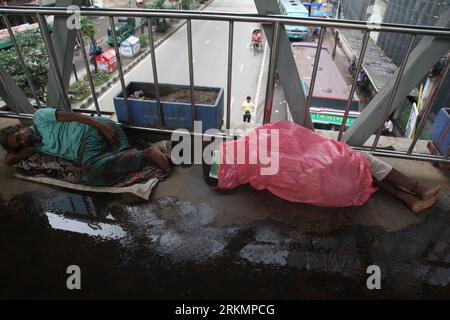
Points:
(13, 95)
(63, 41)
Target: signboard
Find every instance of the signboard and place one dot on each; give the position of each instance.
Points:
(411, 121)
(331, 118)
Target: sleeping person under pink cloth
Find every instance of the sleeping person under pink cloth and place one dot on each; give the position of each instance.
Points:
(299, 165)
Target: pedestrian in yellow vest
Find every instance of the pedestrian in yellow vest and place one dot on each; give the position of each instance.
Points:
(247, 108)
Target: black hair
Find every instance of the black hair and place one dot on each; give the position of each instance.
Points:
(249, 98)
(4, 135)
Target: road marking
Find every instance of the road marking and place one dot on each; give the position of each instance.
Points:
(193, 60)
(258, 85)
(231, 103)
(218, 27)
(206, 43)
(242, 67)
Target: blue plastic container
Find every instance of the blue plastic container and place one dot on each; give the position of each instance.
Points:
(175, 115)
(440, 131)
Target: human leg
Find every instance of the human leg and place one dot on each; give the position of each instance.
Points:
(415, 204)
(415, 196)
(105, 164)
(400, 179)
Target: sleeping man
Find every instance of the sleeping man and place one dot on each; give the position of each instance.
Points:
(97, 144)
(299, 165)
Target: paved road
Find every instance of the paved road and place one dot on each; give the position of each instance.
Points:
(102, 24)
(210, 43)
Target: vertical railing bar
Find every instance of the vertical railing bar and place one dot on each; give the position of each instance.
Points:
(191, 68)
(427, 109)
(88, 71)
(314, 74)
(22, 61)
(355, 81)
(270, 88)
(229, 71)
(155, 71)
(394, 91)
(52, 59)
(119, 61)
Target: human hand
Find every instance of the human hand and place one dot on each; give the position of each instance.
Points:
(110, 134)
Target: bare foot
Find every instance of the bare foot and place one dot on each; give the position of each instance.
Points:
(155, 155)
(427, 193)
(421, 205)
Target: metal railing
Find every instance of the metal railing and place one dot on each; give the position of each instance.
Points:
(276, 21)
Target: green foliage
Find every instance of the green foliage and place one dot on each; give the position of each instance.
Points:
(161, 25)
(80, 90)
(143, 40)
(35, 55)
(186, 4)
(159, 4)
(88, 28)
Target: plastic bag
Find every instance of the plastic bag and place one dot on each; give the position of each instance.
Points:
(301, 166)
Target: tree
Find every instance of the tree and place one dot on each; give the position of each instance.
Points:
(161, 24)
(88, 29)
(186, 4)
(35, 55)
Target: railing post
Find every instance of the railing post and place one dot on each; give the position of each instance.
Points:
(119, 61)
(155, 71)
(191, 68)
(52, 59)
(429, 104)
(314, 74)
(229, 71)
(22, 61)
(355, 80)
(88, 71)
(394, 91)
(270, 88)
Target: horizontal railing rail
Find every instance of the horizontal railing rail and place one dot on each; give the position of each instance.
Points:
(276, 21)
(236, 17)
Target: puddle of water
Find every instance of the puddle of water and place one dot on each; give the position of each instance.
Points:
(180, 230)
(97, 229)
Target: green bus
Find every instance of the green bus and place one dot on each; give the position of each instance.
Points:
(22, 23)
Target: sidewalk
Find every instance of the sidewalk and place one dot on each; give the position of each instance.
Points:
(241, 243)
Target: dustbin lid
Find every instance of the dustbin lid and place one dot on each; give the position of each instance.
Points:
(131, 40)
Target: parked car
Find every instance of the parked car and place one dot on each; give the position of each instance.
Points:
(124, 28)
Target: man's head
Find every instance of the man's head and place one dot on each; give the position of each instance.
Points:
(249, 98)
(17, 138)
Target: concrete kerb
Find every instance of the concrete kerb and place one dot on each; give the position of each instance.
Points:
(88, 101)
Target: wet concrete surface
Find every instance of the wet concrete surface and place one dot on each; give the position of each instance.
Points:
(192, 242)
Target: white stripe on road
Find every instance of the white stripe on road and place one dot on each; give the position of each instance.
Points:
(206, 43)
(258, 85)
(242, 67)
(218, 27)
